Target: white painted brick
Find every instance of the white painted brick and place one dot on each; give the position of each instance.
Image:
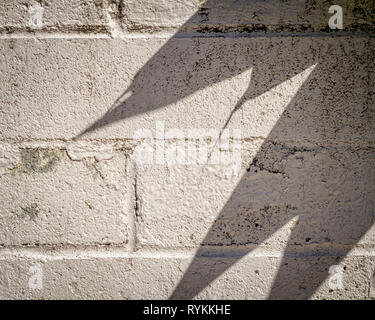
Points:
(119, 278)
(63, 15)
(242, 16)
(193, 15)
(297, 278)
(328, 101)
(49, 199)
(56, 89)
(155, 15)
(318, 195)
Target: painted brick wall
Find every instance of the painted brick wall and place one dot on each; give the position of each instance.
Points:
(281, 205)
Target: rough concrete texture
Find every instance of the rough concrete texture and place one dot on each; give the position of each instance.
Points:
(287, 211)
(303, 186)
(54, 76)
(122, 277)
(50, 199)
(45, 15)
(192, 16)
(243, 16)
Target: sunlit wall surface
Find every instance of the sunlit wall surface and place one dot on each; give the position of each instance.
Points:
(188, 149)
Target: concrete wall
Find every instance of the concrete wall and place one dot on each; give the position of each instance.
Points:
(282, 103)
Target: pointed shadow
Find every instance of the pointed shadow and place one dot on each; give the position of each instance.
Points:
(180, 68)
(327, 184)
(329, 189)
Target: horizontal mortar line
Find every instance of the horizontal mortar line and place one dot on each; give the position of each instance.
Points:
(262, 250)
(177, 35)
(57, 35)
(63, 142)
(79, 35)
(90, 252)
(277, 35)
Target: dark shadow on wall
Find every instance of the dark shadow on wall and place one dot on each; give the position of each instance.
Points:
(328, 185)
(157, 84)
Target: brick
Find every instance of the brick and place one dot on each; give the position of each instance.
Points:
(224, 16)
(319, 195)
(90, 277)
(65, 15)
(185, 16)
(49, 199)
(59, 88)
(327, 102)
(156, 15)
(300, 277)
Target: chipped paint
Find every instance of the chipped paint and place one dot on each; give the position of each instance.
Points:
(37, 160)
(30, 211)
(81, 150)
